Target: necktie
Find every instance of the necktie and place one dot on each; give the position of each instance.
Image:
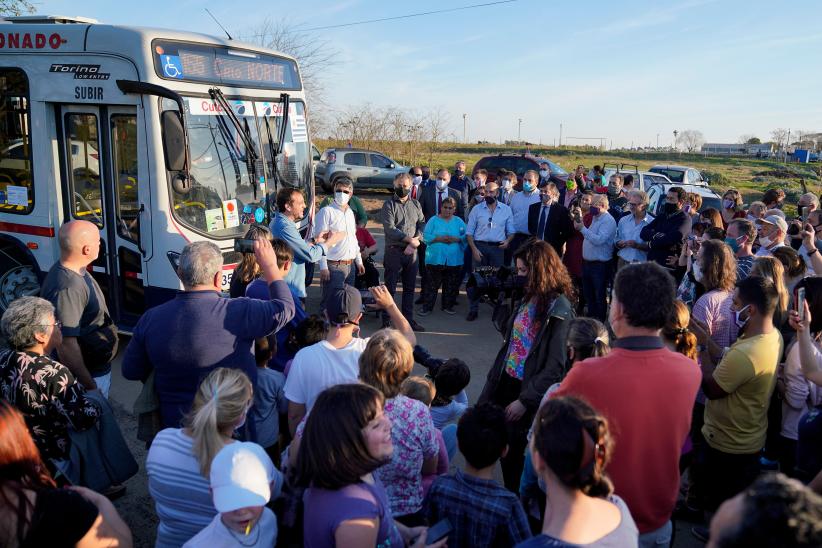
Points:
(543, 218)
(414, 192)
(439, 202)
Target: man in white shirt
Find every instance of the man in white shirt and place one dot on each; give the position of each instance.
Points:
(520, 204)
(335, 360)
(489, 232)
(631, 247)
(337, 266)
(772, 232)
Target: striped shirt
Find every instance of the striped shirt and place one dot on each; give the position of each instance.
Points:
(180, 492)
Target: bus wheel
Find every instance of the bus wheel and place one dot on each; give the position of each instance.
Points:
(17, 281)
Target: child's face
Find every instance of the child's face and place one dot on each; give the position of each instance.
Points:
(238, 520)
(377, 434)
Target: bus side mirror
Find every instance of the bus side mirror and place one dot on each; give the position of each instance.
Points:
(174, 141)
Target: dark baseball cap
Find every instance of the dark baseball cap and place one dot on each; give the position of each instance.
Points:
(344, 301)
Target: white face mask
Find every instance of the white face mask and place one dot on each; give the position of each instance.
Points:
(765, 242)
(441, 184)
(506, 184)
(341, 198)
(417, 179)
(740, 323)
(543, 173)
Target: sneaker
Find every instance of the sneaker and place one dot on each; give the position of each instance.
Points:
(471, 316)
(701, 533)
(450, 311)
(114, 491)
(417, 327)
(424, 312)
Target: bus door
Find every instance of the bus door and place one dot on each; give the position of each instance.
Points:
(102, 162)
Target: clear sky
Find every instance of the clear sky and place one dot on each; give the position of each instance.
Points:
(624, 70)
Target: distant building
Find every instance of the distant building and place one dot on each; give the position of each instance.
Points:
(738, 149)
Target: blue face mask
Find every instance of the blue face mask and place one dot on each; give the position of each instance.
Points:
(733, 243)
(528, 186)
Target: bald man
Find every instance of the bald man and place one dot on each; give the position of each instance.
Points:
(89, 336)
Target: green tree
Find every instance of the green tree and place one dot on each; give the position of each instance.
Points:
(16, 7)
(753, 141)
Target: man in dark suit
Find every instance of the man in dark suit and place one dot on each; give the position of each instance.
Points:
(549, 220)
(431, 200)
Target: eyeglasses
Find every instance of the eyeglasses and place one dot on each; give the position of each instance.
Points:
(58, 324)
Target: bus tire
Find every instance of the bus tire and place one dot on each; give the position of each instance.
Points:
(17, 279)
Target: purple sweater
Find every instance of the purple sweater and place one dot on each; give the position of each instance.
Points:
(183, 340)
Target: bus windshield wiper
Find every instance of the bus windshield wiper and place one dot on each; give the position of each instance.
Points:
(218, 97)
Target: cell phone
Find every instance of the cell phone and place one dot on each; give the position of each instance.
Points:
(438, 532)
(803, 212)
(242, 245)
(800, 303)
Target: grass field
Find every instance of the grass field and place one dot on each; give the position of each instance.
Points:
(750, 176)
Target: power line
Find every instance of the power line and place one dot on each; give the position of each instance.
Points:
(420, 14)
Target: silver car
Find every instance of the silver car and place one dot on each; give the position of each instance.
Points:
(643, 180)
(365, 168)
(681, 174)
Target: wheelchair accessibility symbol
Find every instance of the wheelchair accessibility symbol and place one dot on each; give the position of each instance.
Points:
(172, 66)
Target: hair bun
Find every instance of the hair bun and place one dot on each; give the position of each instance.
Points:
(682, 330)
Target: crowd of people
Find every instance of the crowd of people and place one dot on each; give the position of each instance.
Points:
(651, 368)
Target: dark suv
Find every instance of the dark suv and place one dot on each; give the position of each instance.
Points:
(519, 164)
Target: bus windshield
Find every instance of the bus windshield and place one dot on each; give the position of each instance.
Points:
(228, 190)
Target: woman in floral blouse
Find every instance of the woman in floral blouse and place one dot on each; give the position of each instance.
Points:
(43, 390)
(385, 363)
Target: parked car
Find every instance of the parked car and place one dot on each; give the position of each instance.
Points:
(365, 168)
(656, 196)
(315, 156)
(643, 180)
(681, 174)
(519, 164)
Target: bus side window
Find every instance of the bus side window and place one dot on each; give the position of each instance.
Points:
(83, 145)
(16, 188)
(124, 148)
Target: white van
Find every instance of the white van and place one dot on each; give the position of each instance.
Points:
(90, 128)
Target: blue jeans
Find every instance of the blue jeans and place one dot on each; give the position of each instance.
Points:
(660, 537)
(449, 436)
(594, 287)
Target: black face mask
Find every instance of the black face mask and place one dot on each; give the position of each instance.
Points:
(401, 191)
(670, 209)
(490, 200)
(459, 173)
(425, 175)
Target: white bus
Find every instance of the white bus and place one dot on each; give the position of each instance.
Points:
(90, 128)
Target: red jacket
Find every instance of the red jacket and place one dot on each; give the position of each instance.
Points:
(647, 396)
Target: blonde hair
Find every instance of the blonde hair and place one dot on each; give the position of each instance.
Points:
(386, 361)
(419, 388)
(220, 402)
(771, 268)
(676, 331)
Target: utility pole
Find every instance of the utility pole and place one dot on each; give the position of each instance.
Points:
(464, 125)
(675, 134)
(519, 130)
(657, 140)
(560, 134)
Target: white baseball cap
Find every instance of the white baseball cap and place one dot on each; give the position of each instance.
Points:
(777, 221)
(240, 477)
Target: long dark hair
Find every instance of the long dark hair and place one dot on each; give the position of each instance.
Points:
(21, 470)
(547, 276)
(575, 443)
(333, 452)
(248, 269)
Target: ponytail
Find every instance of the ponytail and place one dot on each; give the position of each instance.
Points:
(219, 404)
(686, 344)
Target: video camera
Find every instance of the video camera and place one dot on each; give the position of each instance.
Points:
(496, 282)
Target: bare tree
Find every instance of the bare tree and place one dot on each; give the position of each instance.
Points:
(780, 137)
(16, 7)
(313, 54)
(691, 139)
(437, 129)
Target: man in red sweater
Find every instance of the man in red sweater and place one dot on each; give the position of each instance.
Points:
(647, 393)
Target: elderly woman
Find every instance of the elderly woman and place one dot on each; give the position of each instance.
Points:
(43, 390)
(445, 245)
(385, 363)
